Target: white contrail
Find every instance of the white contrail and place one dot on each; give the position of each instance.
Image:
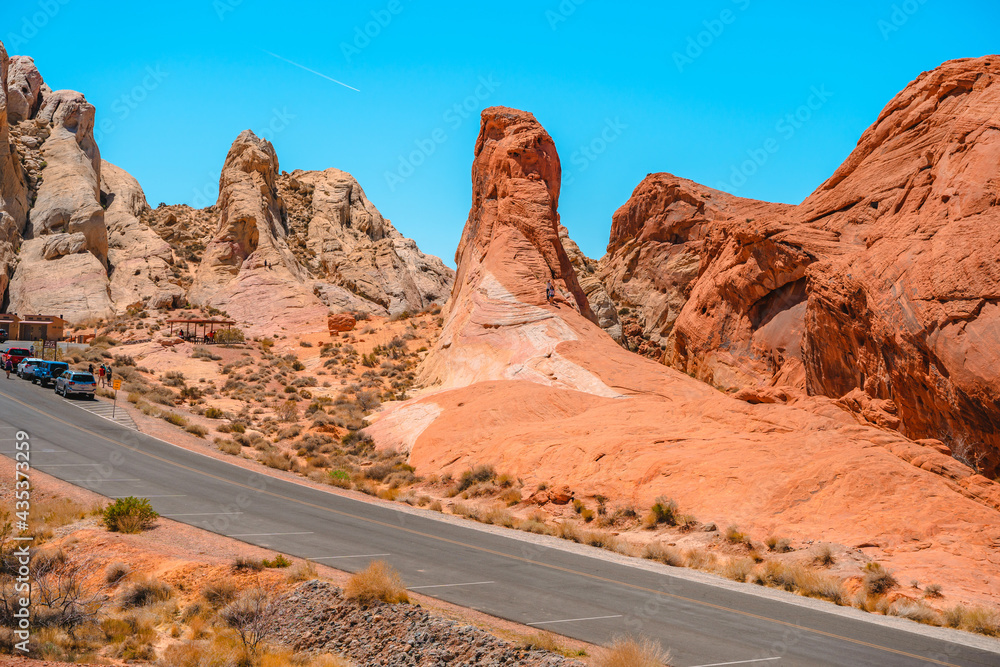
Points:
(290, 62)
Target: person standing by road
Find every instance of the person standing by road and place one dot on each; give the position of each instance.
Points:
(100, 374)
(8, 366)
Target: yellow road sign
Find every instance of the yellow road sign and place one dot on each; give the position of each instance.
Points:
(116, 383)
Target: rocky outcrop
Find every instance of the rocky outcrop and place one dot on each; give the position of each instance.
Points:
(361, 262)
(883, 287)
(247, 269)
(601, 304)
(498, 321)
(540, 391)
(62, 261)
(142, 261)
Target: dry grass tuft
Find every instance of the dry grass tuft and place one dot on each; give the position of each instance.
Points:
(378, 581)
(631, 652)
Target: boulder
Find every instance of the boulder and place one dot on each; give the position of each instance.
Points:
(24, 89)
(341, 322)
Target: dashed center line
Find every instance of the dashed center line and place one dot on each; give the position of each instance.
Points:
(471, 583)
(266, 534)
(738, 662)
(202, 514)
(354, 556)
(571, 620)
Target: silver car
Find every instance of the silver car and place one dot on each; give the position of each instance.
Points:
(75, 382)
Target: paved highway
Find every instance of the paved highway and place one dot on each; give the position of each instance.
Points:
(573, 590)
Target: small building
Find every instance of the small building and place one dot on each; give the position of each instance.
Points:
(41, 327)
(10, 324)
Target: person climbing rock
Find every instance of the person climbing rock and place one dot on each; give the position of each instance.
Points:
(550, 291)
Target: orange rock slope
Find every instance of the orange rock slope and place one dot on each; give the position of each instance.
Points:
(881, 289)
(541, 391)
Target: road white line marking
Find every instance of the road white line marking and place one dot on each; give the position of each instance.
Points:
(80, 481)
(38, 451)
(176, 495)
(570, 620)
(354, 556)
(471, 583)
(738, 662)
(201, 514)
(65, 465)
(265, 534)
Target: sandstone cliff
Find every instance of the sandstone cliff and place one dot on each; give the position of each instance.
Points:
(542, 392)
(275, 267)
(880, 289)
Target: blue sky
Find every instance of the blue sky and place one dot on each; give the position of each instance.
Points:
(695, 89)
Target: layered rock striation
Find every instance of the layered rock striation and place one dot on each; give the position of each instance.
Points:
(541, 391)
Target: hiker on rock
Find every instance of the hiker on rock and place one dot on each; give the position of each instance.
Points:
(550, 291)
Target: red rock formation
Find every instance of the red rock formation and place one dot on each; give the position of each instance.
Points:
(542, 392)
(886, 280)
(341, 322)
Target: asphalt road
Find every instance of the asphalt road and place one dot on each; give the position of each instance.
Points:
(575, 592)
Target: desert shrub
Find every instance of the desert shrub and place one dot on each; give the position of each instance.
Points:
(367, 400)
(933, 591)
(247, 563)
(124, 360)
(823, 555)
(378, 581)
(129, 515)
(173, 418)
(200, 352)
(660, 552)
(302, 571)
(340, 478)
(737, 569)
(777, 544)
(220, 592)
(229, 447)
(145, 592)
(699, 559)
(172, 379)
(197, 430)
(663, 511)
(279, 561)
(214, 413)
(250, 616)
(161, 395)
(877, 580)
(289, 410)
(115, 572)
(734, 536)
(482, 473)
(915, 611)
(277, 460)
(632, 652)
(234, 335)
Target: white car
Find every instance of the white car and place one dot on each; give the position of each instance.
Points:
(26, 369)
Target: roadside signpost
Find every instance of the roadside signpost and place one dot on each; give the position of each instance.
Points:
(117, 384)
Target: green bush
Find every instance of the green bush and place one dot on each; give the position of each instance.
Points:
(278, 561)
(129, 515)
(483, 473)
(663, 511)
(214, 413)
(230, 336)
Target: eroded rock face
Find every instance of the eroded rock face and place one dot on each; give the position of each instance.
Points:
(247, 269)
(141, 260)
(885, 281)
(360, 261)
(62, 263)
(542, 392)
(498, 319)
(13, 191)
(601, 304)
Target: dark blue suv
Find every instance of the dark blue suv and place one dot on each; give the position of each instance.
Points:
(46, 372)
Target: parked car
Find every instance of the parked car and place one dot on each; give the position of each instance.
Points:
(47, 371)
(26, 369)
(3, 335)
(15, 355)
(75, 382)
